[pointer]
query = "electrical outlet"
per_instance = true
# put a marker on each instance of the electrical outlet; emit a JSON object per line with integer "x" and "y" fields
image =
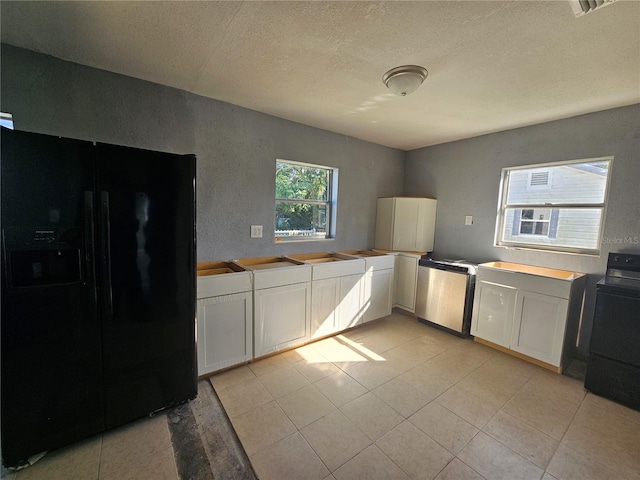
{"x": 256, "y": 231}
{"x": 468, "y": 220}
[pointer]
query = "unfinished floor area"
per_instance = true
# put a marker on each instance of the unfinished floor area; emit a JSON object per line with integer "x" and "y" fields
{"x": 393, "y": 399}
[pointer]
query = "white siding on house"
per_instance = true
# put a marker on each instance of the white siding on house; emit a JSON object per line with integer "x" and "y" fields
{"x": 567, "y": 184}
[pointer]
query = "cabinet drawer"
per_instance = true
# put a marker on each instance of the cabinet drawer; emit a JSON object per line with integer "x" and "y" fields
{"x": 383, "y": 262}
{"x": 225, "y": 284}
{"x": 281, "y": 276}
{"x": 339, "y": 268}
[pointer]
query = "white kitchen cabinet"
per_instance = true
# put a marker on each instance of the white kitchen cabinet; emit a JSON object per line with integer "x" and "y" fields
{"x": 225, "y": 324}
{"x": 376, "y": 285}
{"x": 406, "y": 281}
{"x": 224, "y": 316}
{"x": 539, "y": 326}
{"x": 335, "y": 304}
{"x": 349, "y": 309}
{"x": 336, "y": 291}
{"x": 405, "y": 224}
{"x": 325, "y": 296}
{"x": 532, "y": 311}
{"x": 377, "y": 294}
{"x": 281, "y": 303}
{"x": 493, "y": 312}
{"x": 281, "y": 317}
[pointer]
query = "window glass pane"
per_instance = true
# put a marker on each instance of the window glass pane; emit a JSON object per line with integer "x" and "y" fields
{"x": 559, "y": 184}
{"x": 567, "y": 227}
{"x": 6, "y": 120}
{"x": 301, "y": 182}
{"x": 301, "y": 219}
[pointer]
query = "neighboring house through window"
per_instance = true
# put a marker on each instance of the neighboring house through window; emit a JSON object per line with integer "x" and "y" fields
{"x": 556, "y": 206}
{"x": 305, "y": 201}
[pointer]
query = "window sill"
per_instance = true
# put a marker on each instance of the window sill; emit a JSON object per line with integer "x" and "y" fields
{"x": 586, "y": 253}
{"x": 303, "y": 240}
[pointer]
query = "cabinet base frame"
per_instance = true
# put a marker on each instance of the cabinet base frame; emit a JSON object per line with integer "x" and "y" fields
{"x": 521, "y": 356}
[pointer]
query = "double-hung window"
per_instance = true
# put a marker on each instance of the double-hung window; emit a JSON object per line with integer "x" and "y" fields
{"x": 305, "y": 201}
{"x": 555, "y": 206}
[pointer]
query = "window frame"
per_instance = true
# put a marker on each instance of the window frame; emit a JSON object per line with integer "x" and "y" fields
{"x": 503, "y": 207}
{"x": 330, "y": 204}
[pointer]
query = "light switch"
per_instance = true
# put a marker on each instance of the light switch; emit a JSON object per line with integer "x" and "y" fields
{"x": 468, "y": 220}
{"x": 256, "y": 231}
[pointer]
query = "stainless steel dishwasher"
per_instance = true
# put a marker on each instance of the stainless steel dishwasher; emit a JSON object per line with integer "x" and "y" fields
{"x": 444, "y": 296}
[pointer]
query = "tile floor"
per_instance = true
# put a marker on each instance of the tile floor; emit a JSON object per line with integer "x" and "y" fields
{"x": 395, "y": 399}
{"x": 122, "y": 454}
{"x": 391, "y": 399}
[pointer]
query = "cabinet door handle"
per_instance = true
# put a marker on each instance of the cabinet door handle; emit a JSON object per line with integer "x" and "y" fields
{"x": 107, "y": 295}
{"x": 89, "y": 242}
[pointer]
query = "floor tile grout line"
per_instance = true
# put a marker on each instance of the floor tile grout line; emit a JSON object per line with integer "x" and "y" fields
{"x": 100, "y": 456}
{"x": 469, "y": 466}
{"x": 399, "y": 373}
{"x": 518, "y": 453}
{"x": 617, "y": 414}
{"x": 531, "y": 426}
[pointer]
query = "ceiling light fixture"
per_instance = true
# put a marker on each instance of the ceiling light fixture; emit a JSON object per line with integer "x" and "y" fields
{"x": 405, "y": 79}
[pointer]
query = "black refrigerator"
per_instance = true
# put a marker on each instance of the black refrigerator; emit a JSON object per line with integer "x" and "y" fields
{"x": 98, "y": 288}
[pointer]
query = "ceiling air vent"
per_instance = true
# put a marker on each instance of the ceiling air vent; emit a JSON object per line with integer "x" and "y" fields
{"x": 582, "y": 7}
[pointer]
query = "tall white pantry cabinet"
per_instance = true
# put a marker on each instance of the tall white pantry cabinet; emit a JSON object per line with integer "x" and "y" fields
{"x": 405, "y": 224}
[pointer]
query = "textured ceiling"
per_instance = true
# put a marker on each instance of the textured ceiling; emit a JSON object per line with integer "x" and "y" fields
{"x": 492, "y": 65}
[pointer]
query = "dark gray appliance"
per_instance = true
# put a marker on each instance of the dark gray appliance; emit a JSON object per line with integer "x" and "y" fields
{"x": 98, "y": 288}
{"x": 444, "y": 296}
{"x": 613, "y": 369}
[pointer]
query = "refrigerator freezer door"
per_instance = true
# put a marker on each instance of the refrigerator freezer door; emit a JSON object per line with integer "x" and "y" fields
{"x": 51, "y": 358}
{"x": 148, "y": 270}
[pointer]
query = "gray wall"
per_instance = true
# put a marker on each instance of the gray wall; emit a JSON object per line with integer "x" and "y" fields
{"x": 236, "y": 149}
{"x": 465, "y": 176}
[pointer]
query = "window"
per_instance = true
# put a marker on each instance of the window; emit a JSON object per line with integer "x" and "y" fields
{"x": 557, "y": 206}
{"x": 305, "y": 201}
{"x": 534, "y": 221}
{"x": 6, "y": 120}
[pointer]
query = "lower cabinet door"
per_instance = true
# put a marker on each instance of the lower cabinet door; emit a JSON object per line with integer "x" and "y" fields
{"x": 406, "y": 282}
{"x": 325, "y": 295}
{"x": 377, "y": 294}
{"x": 225, "y": 331}
{"x": 493, "y": 307}
{"x": 539, "y": 326}
{"x": 348, "y": 310}
{"x": 281, "y": 317}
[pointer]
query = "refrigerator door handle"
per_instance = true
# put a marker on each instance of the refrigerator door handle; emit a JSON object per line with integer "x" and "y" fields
{"x": 89, "y": 240}
{"x": 107, "y": 295}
